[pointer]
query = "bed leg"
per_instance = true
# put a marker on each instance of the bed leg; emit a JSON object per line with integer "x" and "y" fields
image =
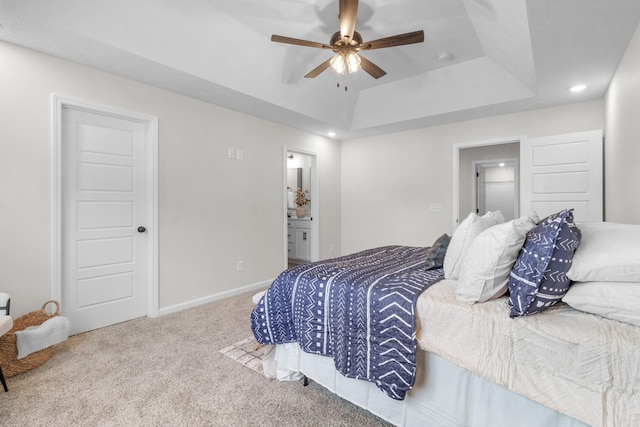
{"x": 4, "y": 383}
{"x": 305, "y": 380}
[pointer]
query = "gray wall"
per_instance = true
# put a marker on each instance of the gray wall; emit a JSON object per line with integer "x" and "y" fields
{"x": 213, "y": 210}
{"x": 389, "y": 182}
{"x": 622, "y": 139}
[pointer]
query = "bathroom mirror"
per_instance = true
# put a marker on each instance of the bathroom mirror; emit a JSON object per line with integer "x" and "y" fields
{"x": 294, "y": 178}
{"x": 299, "y": 172}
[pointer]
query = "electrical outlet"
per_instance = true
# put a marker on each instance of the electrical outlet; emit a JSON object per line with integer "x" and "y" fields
{"x": 239, "y": 154}
{"x": 239, "y": 266}
{"x": 331, "y": 248}
{"x": 231, "y": 153}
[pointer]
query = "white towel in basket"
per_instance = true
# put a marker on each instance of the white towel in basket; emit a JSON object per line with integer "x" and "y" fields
{"x": 35, "y": 338}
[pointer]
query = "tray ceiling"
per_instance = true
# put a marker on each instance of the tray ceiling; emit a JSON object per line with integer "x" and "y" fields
{"x": 479, "y": 57}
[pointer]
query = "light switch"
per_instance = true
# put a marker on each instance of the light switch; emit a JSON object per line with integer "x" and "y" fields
{"x": 231, "y": 154}
{"x": 435, "y": 207}
{"x": 239, "y": 154}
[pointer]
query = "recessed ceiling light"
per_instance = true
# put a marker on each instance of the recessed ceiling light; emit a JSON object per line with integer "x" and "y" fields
{"x": 445, "y": 57}
{"x": 578, "y": 88}
{"x": 331, "y": 134}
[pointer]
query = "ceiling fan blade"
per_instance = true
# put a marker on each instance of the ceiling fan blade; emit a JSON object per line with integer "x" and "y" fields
{"x": 398, "y": 40}
{"x": 320, "y": 68}
{"x": 371, "y": 68}
{"x": 348, "y": 13}
{"x": 299, "y": 42}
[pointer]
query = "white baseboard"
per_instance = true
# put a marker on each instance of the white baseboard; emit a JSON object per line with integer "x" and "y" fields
{"x": 214, "y": 297}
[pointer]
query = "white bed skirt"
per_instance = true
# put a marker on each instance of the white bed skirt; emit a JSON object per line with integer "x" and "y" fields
{"x": 444, "y": 394}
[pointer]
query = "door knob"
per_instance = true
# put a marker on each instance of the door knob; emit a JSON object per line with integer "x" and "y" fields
{"x": 141, "y": 229}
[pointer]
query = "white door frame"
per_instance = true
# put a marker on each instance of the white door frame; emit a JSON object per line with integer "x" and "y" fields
{"x": 315, "y": 205}
{"x": 455, "y": 166}
{"x": 151, "y": 123}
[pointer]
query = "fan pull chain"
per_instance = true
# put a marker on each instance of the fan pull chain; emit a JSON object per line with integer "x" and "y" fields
{"x": 345, "y": 86}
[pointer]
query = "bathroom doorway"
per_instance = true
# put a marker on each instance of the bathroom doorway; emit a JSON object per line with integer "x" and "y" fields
{"x": 301, "y": 207}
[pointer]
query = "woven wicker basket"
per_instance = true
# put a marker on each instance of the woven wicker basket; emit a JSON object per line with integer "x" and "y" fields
{"x": 9, "y": 351}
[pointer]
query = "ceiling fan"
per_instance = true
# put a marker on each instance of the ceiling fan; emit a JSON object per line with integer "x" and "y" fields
{"x": 347, "y": 43}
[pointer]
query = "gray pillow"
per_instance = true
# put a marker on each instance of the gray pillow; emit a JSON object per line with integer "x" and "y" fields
{"x": 435, "y": 254}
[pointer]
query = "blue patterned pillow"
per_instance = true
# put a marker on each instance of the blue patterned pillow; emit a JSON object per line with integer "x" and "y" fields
{"x": 538, "y": 278}
{"x": 435, "y": 254}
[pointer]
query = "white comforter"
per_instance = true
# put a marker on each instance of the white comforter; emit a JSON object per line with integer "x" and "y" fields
{"x": 582, "y": 365}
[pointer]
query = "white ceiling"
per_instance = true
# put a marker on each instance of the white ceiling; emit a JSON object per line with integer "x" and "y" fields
{"x": 506, "y": 55}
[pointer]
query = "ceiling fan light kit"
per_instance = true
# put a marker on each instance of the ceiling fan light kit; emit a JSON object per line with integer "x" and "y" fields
{"x": 345, "y": 59}
{"x": 347, "y": 43}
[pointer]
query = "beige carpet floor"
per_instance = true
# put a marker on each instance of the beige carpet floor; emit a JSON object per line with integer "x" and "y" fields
{"x": 168, "y": 371}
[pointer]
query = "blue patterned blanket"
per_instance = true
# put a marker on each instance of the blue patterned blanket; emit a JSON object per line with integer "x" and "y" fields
{"x": 358, "y": 309}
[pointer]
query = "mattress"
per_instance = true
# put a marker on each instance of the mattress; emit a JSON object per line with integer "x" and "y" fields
{"x": 579, "y": 364}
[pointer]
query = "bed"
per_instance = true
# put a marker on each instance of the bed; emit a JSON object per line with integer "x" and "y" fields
{"x": 569, "y": 359}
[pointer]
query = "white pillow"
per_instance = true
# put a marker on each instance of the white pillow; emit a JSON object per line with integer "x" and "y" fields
{"x": 614, "y": 300}
{"x": 462, "y": 238}
{"x": 486, "y": 265}
{"x": 608, "y": 252}
{"x": 497, "y": 215}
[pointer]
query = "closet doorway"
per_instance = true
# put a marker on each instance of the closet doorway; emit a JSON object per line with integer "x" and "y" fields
{"x": 301, "y": 210}
{"x": 465, "y": 158}
{"x": 556, "y": 172}
{"x": 496, "y": 187}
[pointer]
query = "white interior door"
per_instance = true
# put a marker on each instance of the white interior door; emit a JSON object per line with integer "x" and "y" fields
{"x": 563, "y": 171}
{"x": 103, "y": 215}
